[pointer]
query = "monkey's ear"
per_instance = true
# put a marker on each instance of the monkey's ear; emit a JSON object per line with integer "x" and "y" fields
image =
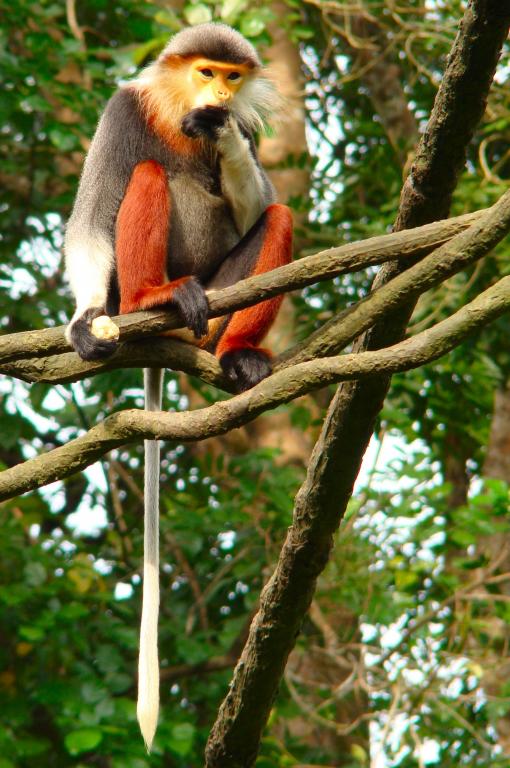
{"x": 172, "y": 60}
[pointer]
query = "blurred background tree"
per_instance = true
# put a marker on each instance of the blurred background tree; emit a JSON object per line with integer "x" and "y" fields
{"x": 404, "y": 658}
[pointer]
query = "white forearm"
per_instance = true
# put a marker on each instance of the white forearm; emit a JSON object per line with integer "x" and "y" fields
{"x": 242, "y": 181}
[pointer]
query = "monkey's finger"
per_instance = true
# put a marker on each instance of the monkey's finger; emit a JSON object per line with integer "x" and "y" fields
{"x": 204, "y": 121}
{"x": 88, "y": 346}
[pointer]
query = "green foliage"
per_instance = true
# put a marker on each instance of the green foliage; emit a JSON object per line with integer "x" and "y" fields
{"x": 405, "y": 555}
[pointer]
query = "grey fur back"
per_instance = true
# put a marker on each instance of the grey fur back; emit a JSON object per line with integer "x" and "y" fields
{"x": 120, "y": 142}
{"x": 198, "y": 209}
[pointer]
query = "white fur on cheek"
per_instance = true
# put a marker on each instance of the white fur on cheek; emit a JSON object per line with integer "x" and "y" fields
{"x": 256, "y": 100}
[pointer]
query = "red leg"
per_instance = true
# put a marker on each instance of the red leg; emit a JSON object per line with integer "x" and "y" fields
{"x": 141, "y": 246}
{"x": 142, "y": 236}
{"x": 238, "y": 350}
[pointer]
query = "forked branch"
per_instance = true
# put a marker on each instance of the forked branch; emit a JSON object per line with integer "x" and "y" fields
{"x": 131, "y": 426}
{"x": 320, "y": 266}
{"x": 449, "y": 255}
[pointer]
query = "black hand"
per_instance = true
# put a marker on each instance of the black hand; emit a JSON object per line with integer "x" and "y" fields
{"x": 83, "y": 340}
{"x": 191, "y": 303}
{"x": 204, "y": 121}
{"x": 246, "y": 367}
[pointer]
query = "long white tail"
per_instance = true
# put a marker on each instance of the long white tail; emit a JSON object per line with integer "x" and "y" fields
{"x": 148, "y": 665}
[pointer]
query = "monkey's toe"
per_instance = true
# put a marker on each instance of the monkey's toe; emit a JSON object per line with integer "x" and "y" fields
{"x": 191, "y": 303}
{"x": 246, "y": 367}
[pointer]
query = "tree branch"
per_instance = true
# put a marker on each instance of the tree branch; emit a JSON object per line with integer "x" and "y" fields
{"x": 133, "y": 425}
{"x": 337, "y": 456}
{"x": 320, "y": 266}
{"x": 458, "y": 253}
{"x": 148, "y": 353}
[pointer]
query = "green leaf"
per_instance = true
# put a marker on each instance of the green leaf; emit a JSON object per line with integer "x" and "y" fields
{"x": 37, "y": 103}
{"x": 73, "y": 611}
{"x": 35, "y": 574}
{"x": 463, "y": 538}
{"x": 62, "y": 139}
{"x": 82, "y": 740}
{"x": 231, "y": 9}
{"x": 180, "y": 739}
{"x": 405, "y": 579}
{"x": 167, "y": 18}
{"x": 32, "y": 747}
{"x": 359, "y": 754}
{"x": 143, "y": 52}
{"x": 31, "y": 633}
{"x": 129, "y": 762}
{"x": 108, "y": 659}
{"x": 198, "y": 14}
{"x": 120, "y": 682}
{"x": 253, "y": 25}
{"x": 91, "y": 693}
{"x": 303, "y": 33}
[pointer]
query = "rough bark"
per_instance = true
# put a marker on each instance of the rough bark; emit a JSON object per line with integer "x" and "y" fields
{"x": 497, "y": 461}
{"x": 131, "y": 426}
{"x": 337, "y": 456}
{"x": 320, "y": 266}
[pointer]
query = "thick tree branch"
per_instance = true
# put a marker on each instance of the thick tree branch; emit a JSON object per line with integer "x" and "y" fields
{"x": 337, "y": 456}
{"x": 131, "y": 426}
{"x": 320, "y": 266}
{"x": 148, "y": 353}
{"x": 458, "y": 253}
{"x": 458, "y": 108}
{"x": 469, "y": 245}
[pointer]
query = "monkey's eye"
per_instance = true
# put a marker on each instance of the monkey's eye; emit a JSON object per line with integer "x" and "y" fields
{"x": 206, "y": 72}
{"x": 234, "y": 76}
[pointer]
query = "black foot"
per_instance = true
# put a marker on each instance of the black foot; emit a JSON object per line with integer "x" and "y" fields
{"x": 204, "y": 122}
{"x": 84, "y": 342}
{"x": 191, "y": 302}
{"x": 246, "y": 367}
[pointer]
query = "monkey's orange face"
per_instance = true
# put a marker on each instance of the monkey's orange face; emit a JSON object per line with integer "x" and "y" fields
{"x": 215, "y": 83}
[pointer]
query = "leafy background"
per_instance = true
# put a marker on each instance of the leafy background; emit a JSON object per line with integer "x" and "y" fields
{"x": 403, "y": 660}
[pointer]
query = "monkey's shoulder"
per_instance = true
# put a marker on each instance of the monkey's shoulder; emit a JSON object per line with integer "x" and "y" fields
{"x": 126, "y": 127}
{"x": 130, "y": 137}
